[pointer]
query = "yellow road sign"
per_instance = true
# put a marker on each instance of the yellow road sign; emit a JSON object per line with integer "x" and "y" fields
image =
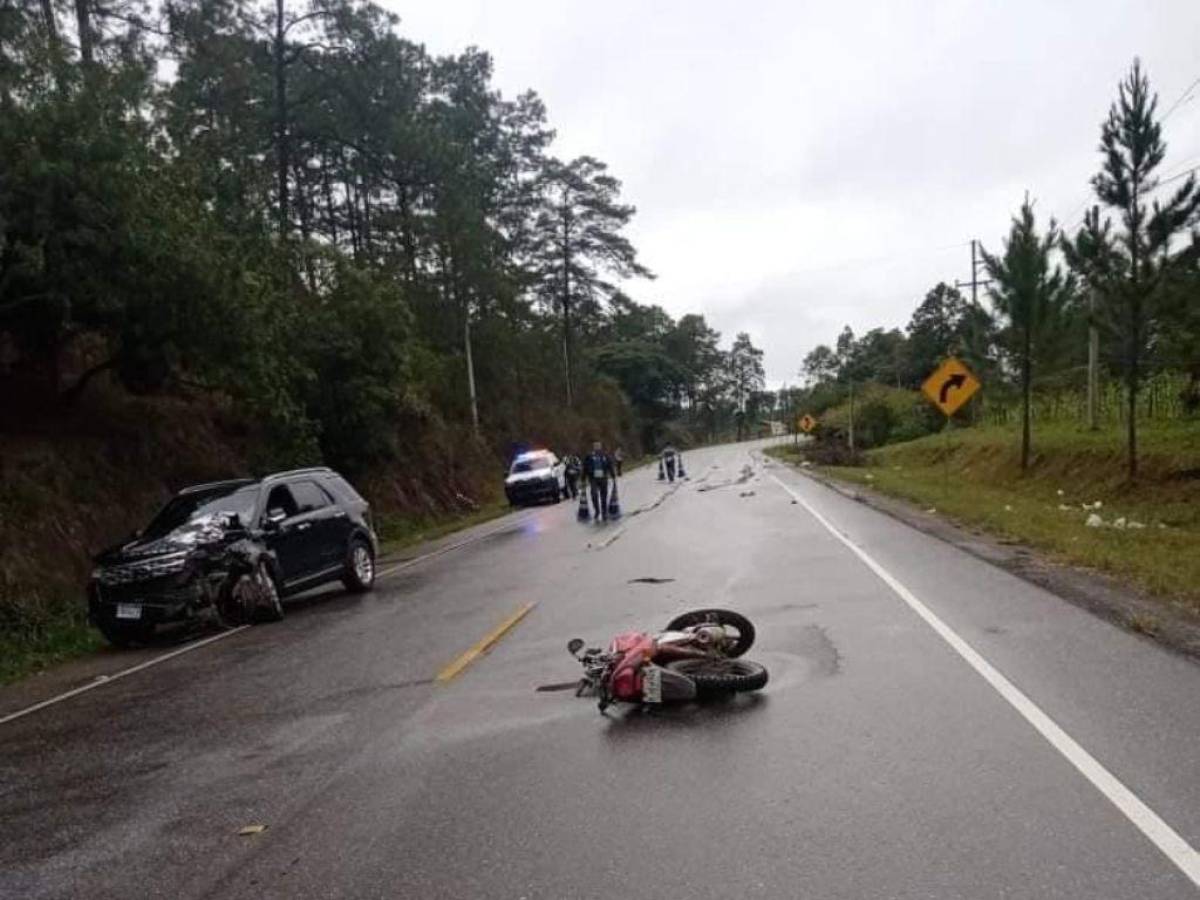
{"x": 807, "y": 423}
{"x": 950, "y": 386}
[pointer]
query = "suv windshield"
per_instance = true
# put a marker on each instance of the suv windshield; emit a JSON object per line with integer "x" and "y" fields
{"x": 532, "y": 464}
{"x": 235, "y": 499}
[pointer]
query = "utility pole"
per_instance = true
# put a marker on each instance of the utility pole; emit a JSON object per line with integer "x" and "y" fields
{"x": 851, "y": 416}
{"x": 975, "y": 283}
{"x": 1093, "y": 374}
{"x": 470, "y": 369}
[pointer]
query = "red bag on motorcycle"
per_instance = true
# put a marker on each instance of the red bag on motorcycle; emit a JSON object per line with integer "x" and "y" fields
{"x": 636, "y": 650}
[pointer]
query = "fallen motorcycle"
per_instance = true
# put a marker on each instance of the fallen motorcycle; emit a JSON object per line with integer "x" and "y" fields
{"x": 697, "y": 656}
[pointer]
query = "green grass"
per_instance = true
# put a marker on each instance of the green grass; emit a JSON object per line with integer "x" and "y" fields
{"x": 396, "y": 533}
{"x": 973, "y": 476}
{"x": 25, "y": 654}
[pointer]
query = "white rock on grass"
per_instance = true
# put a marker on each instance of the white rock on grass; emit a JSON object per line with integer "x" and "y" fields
{"x": 1061, "y": 492}
{"x": 1137, "y": 525}
{"x": 1119, "y": 523}
{"x": 1007, "y": 508}
{"x": 1094, "y": 521}
{"x": 1066, "y": 508}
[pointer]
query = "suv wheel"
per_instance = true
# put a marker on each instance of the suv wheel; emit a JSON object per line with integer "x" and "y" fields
{"x": 250, "y": 597}
{"x": 359, "y": 576}
{"x": 270, "y": 604}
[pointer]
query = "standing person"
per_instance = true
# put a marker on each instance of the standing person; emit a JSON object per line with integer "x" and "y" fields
{"x": 597, "y": 469}
{"x": 619, "y": 460}
{"x": 668, "y": 457}
{"x": 573, "y": 467}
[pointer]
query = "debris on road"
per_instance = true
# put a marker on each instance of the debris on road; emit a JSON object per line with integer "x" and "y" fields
{"x": 650, "y": 580}
{"x": 247, "y": 830}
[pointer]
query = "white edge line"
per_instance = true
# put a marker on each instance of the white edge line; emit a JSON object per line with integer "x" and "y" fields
{"x": 1162, "y": 835}
{"x": 102, "y": 680}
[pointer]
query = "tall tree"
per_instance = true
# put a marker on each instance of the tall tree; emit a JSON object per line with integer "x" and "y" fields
{"x": 1033, "y": 299}
{"x": 935, "y": 330}
{"x": 1140, "y": 257}
{"x": 580, "y": 241}
{"x": 821, "y": 364}
{"x": 746, "y": 375}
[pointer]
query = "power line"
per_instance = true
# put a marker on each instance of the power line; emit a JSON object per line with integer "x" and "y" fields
{"x": 1186, "y": 95}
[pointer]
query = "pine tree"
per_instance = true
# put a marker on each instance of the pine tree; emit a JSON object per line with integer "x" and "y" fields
{"x": 1032, "y": 298}
{"x": 1135, "y": 263}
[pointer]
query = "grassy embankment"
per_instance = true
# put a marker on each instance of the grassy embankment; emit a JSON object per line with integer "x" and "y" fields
{"x": 973, "y": 476}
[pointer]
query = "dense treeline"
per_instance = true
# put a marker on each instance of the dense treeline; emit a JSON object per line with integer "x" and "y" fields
{"x": 1130, "y": 271}
{"x": 300, "y": 210}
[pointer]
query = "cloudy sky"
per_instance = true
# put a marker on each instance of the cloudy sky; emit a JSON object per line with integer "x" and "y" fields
{"x": 799, "y": 166}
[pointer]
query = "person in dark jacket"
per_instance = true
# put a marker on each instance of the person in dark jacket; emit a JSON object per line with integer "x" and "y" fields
{"x": 573, "y": 470}
{"x": 669, "y": 457}
{"x": 597, "y": 469}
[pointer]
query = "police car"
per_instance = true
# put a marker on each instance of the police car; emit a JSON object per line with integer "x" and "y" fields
{"x": 536, "y": 476}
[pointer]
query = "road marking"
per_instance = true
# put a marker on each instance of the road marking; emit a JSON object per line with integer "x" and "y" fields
{"x": 486, "y": 643}
{"x": 408, "y": 563}
{"x": 102, "y": 680}
{"x": 1162, "y": 835}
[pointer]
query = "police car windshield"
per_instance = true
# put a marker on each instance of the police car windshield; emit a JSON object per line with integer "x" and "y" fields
{"x": 531, "y": 464}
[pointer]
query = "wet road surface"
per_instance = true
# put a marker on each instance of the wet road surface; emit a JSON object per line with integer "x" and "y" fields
{"x": 878, "y": 762}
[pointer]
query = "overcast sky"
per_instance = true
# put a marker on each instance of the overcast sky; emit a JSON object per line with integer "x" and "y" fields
{"x": 800, "y": 166}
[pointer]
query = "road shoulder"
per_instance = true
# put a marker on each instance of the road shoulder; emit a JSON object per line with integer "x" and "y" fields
{"x": 1110, "y": 598}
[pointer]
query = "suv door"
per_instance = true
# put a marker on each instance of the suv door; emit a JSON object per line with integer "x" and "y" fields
{"x": 290, "y": 537}
{"x": 330, "y": 524}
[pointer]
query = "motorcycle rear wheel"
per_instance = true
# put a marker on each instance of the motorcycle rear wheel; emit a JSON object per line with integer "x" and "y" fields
{"x": 744, "y": 627}
{"x": 717, "y": 676}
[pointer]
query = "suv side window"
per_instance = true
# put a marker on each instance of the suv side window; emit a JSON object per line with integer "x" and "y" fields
{"x": 341, "y": 488}
{"x": 281, "y": 498}
{"x": 309, "y": 496}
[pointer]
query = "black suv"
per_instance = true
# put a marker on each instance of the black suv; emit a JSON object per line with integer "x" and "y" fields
{"x": 229, "y": 550}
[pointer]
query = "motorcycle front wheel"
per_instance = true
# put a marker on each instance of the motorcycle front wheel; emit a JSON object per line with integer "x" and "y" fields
{"x": 717, "y": 676}
{"x": 736, "y": 621}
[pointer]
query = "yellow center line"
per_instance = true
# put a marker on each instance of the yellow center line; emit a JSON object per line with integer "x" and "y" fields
{"x": 486, "y": 643}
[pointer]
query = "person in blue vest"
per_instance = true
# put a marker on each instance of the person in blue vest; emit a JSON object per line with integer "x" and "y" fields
{"x": 597, "y": 469}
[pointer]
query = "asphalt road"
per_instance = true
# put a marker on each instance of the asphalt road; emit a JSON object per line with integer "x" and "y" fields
{"x": 882, "y": 761}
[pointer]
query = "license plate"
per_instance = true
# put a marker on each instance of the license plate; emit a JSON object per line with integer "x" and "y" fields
{"x": 652, "y": 684}
{"x": 129, "y": 610}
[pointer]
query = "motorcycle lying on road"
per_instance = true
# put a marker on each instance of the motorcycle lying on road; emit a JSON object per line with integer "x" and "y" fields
{"x": 697, "y": 656}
